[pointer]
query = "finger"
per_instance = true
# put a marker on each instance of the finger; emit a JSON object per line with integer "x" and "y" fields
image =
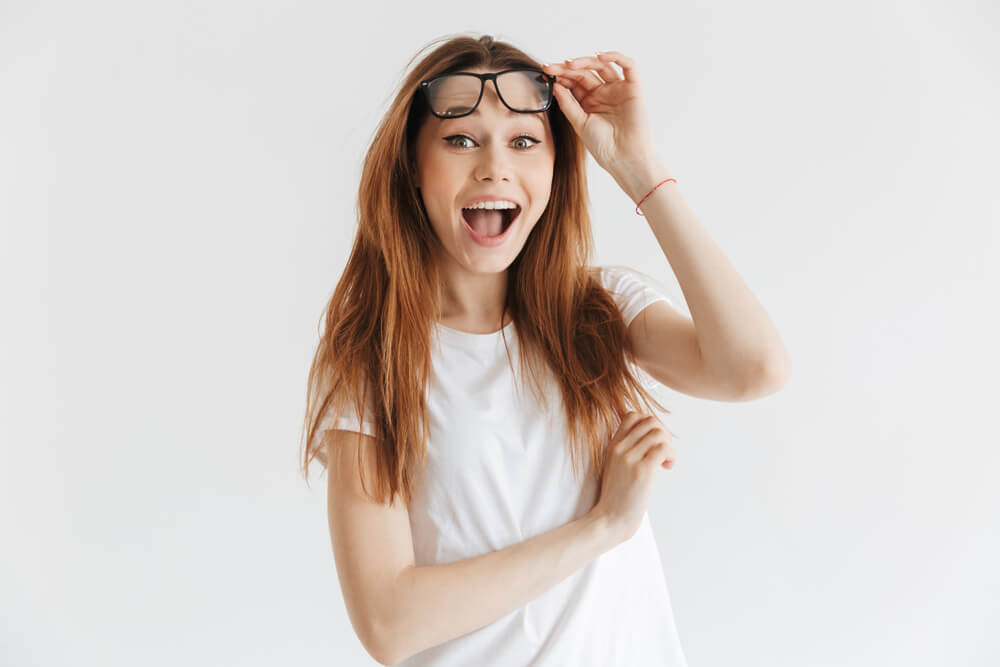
{"x": 578, "y": 85}
{"x": 663, "y": 456}
{"x": 639, "y": 439}
{"x": 646, "y": 448}
{"x": 656, "y": 455}
{"x": 648, "y": 418}
{"x": 628, "y": 434}
{"x": 571, "y": 82}
{"x": 585, "y": 67}
{"x": 609, "y": 70}
{"x": 640, "y": 420}
{"x": 581, "y": 76}
{"x": 629, "y": 420}
{"x": 569, "y": 106}
{"x": 629, "y": 69}
{"x": 603, "y": 69}
{"x": 646, "y": 428}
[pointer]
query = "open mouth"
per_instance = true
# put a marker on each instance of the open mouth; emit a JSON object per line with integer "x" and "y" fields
{"x": 477, "y": 223}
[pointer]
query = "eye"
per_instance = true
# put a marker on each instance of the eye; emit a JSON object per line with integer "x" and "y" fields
{"x": 524, "y": 136}
{"x": 458, "y": 137}
{"x": 451, "y": 140}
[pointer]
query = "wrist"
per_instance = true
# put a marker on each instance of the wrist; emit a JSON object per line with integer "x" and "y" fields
{"x": 602, "y": 530}
{"x": 638, "y": 176}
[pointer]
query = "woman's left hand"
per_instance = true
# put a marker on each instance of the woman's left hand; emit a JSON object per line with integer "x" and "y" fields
{"x": 609, "y": 115}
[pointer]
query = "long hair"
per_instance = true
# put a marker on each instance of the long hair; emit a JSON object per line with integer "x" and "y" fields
{"x": 375, "y": 348}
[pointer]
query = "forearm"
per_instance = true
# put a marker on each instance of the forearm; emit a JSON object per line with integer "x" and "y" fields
{"x": 435, "y": 603}
{"x": 735, "y": 333}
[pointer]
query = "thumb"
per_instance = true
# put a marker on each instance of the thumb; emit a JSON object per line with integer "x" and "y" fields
{"x": 569, "y": 106}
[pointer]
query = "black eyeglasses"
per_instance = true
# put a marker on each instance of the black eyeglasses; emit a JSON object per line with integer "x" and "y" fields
{"x": 457, "y": 94}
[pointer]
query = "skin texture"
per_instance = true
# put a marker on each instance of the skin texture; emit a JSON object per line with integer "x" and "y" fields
{"x": 493, "y": 158}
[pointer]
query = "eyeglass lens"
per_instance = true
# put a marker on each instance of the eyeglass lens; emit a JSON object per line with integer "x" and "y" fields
{"x": 457, "y": 93}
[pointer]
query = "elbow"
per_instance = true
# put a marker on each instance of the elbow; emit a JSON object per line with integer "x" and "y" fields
{"x": 770, "y": 379}
{"x": 373, "y": 636}
{"x": 387, "y": 639}
{"x": 779, "y": 374}
{"x": 378, "y": 643}
{"x": 384, "y": 641}
{"x": 383, "y": 660}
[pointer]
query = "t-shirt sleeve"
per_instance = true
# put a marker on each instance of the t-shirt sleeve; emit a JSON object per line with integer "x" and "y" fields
{"x": 347, "y": 420}
{"x": 630, "y": 291}
{"x": 633, "y": 294}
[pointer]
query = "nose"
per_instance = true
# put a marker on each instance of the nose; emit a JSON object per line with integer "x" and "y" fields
{"x": 494, "y": 155}
{"x": 494, "y": 162}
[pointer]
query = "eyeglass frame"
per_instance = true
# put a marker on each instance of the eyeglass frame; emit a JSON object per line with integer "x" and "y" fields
{"x": 483, "y": 78}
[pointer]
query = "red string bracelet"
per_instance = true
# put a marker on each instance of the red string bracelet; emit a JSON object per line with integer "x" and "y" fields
{"x": 637, "y": 211}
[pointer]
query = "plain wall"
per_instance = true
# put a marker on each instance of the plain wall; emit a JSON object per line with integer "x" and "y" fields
{"x": 178, "y": 184}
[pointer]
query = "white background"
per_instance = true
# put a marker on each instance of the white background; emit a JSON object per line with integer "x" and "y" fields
{"x": 178, "y": 184}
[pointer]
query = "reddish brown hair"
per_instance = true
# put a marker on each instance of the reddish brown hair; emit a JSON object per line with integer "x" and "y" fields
{"x": 374, "y": 350}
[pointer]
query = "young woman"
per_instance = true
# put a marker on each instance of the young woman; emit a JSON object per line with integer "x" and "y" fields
{"x": 486, "y": 383}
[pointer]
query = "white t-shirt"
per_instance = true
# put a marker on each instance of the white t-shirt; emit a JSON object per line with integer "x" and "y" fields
{"x": 499, "y": 472}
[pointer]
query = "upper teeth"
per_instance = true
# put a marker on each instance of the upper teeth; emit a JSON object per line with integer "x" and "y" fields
{"x": 492, "y": 204}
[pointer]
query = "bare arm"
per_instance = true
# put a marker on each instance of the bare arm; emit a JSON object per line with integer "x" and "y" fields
{"x": 433, "y": 604}
{"x": 397, "y": 608}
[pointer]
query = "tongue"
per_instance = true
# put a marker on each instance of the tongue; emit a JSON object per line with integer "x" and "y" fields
{"x": 484, "y": 222}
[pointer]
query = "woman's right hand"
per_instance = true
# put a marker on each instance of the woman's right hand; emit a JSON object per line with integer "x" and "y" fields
{"x": 640, "y": 445}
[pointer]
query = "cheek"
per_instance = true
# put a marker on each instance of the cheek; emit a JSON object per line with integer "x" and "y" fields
{"x": 541, "y": 179}
{"x": 440, "y": 213}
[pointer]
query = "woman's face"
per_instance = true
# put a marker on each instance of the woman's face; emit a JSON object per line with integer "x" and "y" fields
{"x": 493, "y": 152}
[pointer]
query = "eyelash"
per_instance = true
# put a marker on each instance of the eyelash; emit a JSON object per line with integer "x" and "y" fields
{"x": 457, "y": 136}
